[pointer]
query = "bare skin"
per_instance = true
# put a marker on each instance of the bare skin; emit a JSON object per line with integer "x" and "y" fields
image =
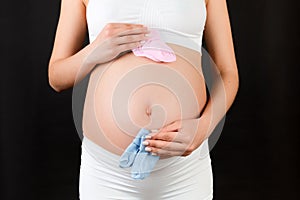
{"x": 106, "y": 130}
{"x": 68, "y": 59}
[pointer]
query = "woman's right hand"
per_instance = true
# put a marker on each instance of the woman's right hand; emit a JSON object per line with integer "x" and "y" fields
{"x": 114, "y": 39}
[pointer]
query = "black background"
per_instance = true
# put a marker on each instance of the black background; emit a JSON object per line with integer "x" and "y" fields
{"x": 256, "y": 157}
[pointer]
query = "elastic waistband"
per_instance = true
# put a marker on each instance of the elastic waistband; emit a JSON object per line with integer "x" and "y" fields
{"x": 103, "y": 155}
{"x": 99, "y": 151}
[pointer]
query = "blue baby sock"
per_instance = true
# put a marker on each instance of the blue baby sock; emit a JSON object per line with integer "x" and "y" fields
{"x": 142, "y": 162}
{"x": 128, "y": 156}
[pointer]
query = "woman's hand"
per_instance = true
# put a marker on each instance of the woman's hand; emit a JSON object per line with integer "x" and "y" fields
{"x": 114, "y": 39}
{"x": 180, "y": 138}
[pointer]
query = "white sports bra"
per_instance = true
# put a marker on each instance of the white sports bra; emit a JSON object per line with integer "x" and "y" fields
{"x": 179, "y": 22}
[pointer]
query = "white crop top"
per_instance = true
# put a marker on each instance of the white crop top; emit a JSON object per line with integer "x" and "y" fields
{"x": 179, "y": 22}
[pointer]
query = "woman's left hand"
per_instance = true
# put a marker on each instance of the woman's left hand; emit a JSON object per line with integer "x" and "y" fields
{"x": 180, "y": 138}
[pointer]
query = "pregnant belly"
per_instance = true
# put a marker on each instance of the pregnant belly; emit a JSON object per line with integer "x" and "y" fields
{"x": 132, "y": 92}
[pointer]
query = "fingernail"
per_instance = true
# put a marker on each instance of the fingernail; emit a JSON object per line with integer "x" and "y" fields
{"x": 142, "y": 42}
{"x": 148, "y": 136}
{"x": 147, "y": 149}
{"x": 154, "y": 130}
{"x": 145, "y": 143}
{"x": 154, "y": 154}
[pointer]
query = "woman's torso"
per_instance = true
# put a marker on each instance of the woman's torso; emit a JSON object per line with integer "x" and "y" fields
{"x": 132, "y": 92}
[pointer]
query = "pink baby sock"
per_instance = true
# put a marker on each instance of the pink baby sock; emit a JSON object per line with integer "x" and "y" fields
{"x": 155, "y": 49}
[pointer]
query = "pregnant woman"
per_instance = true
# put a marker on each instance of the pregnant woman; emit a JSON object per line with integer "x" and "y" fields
{"x": 127, "y": 92}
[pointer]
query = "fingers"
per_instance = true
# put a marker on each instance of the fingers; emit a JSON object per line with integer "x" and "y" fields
{"x": 159, "y": 144}
{"x": 174, "y": 139}
{"x": 119, "y": 29}
{"x": 130, "y": 39}
{"x": 121, "y": 26}
{"x": 129, "y": 36}
{"x": 162, "y": 153}
{"x": 133, "y": 31}
{"x": 168, "y": 136}
{"x": 128, "y": 46}
{"x": 166, "y": 149}
{"x": 168, "y": 144}
{"x": 126, "y": 25}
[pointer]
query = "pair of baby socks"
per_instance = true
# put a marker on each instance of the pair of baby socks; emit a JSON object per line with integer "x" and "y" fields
{"x": 135, "y": 156}
{"x": 155, "y": 49}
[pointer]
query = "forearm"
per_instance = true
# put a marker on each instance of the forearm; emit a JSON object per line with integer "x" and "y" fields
{"x": 222, "y": 95}
{"x": 65, "y": 73}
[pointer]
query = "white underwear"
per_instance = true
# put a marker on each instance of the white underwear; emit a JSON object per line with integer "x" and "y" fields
{"x": 177, "y": 178}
